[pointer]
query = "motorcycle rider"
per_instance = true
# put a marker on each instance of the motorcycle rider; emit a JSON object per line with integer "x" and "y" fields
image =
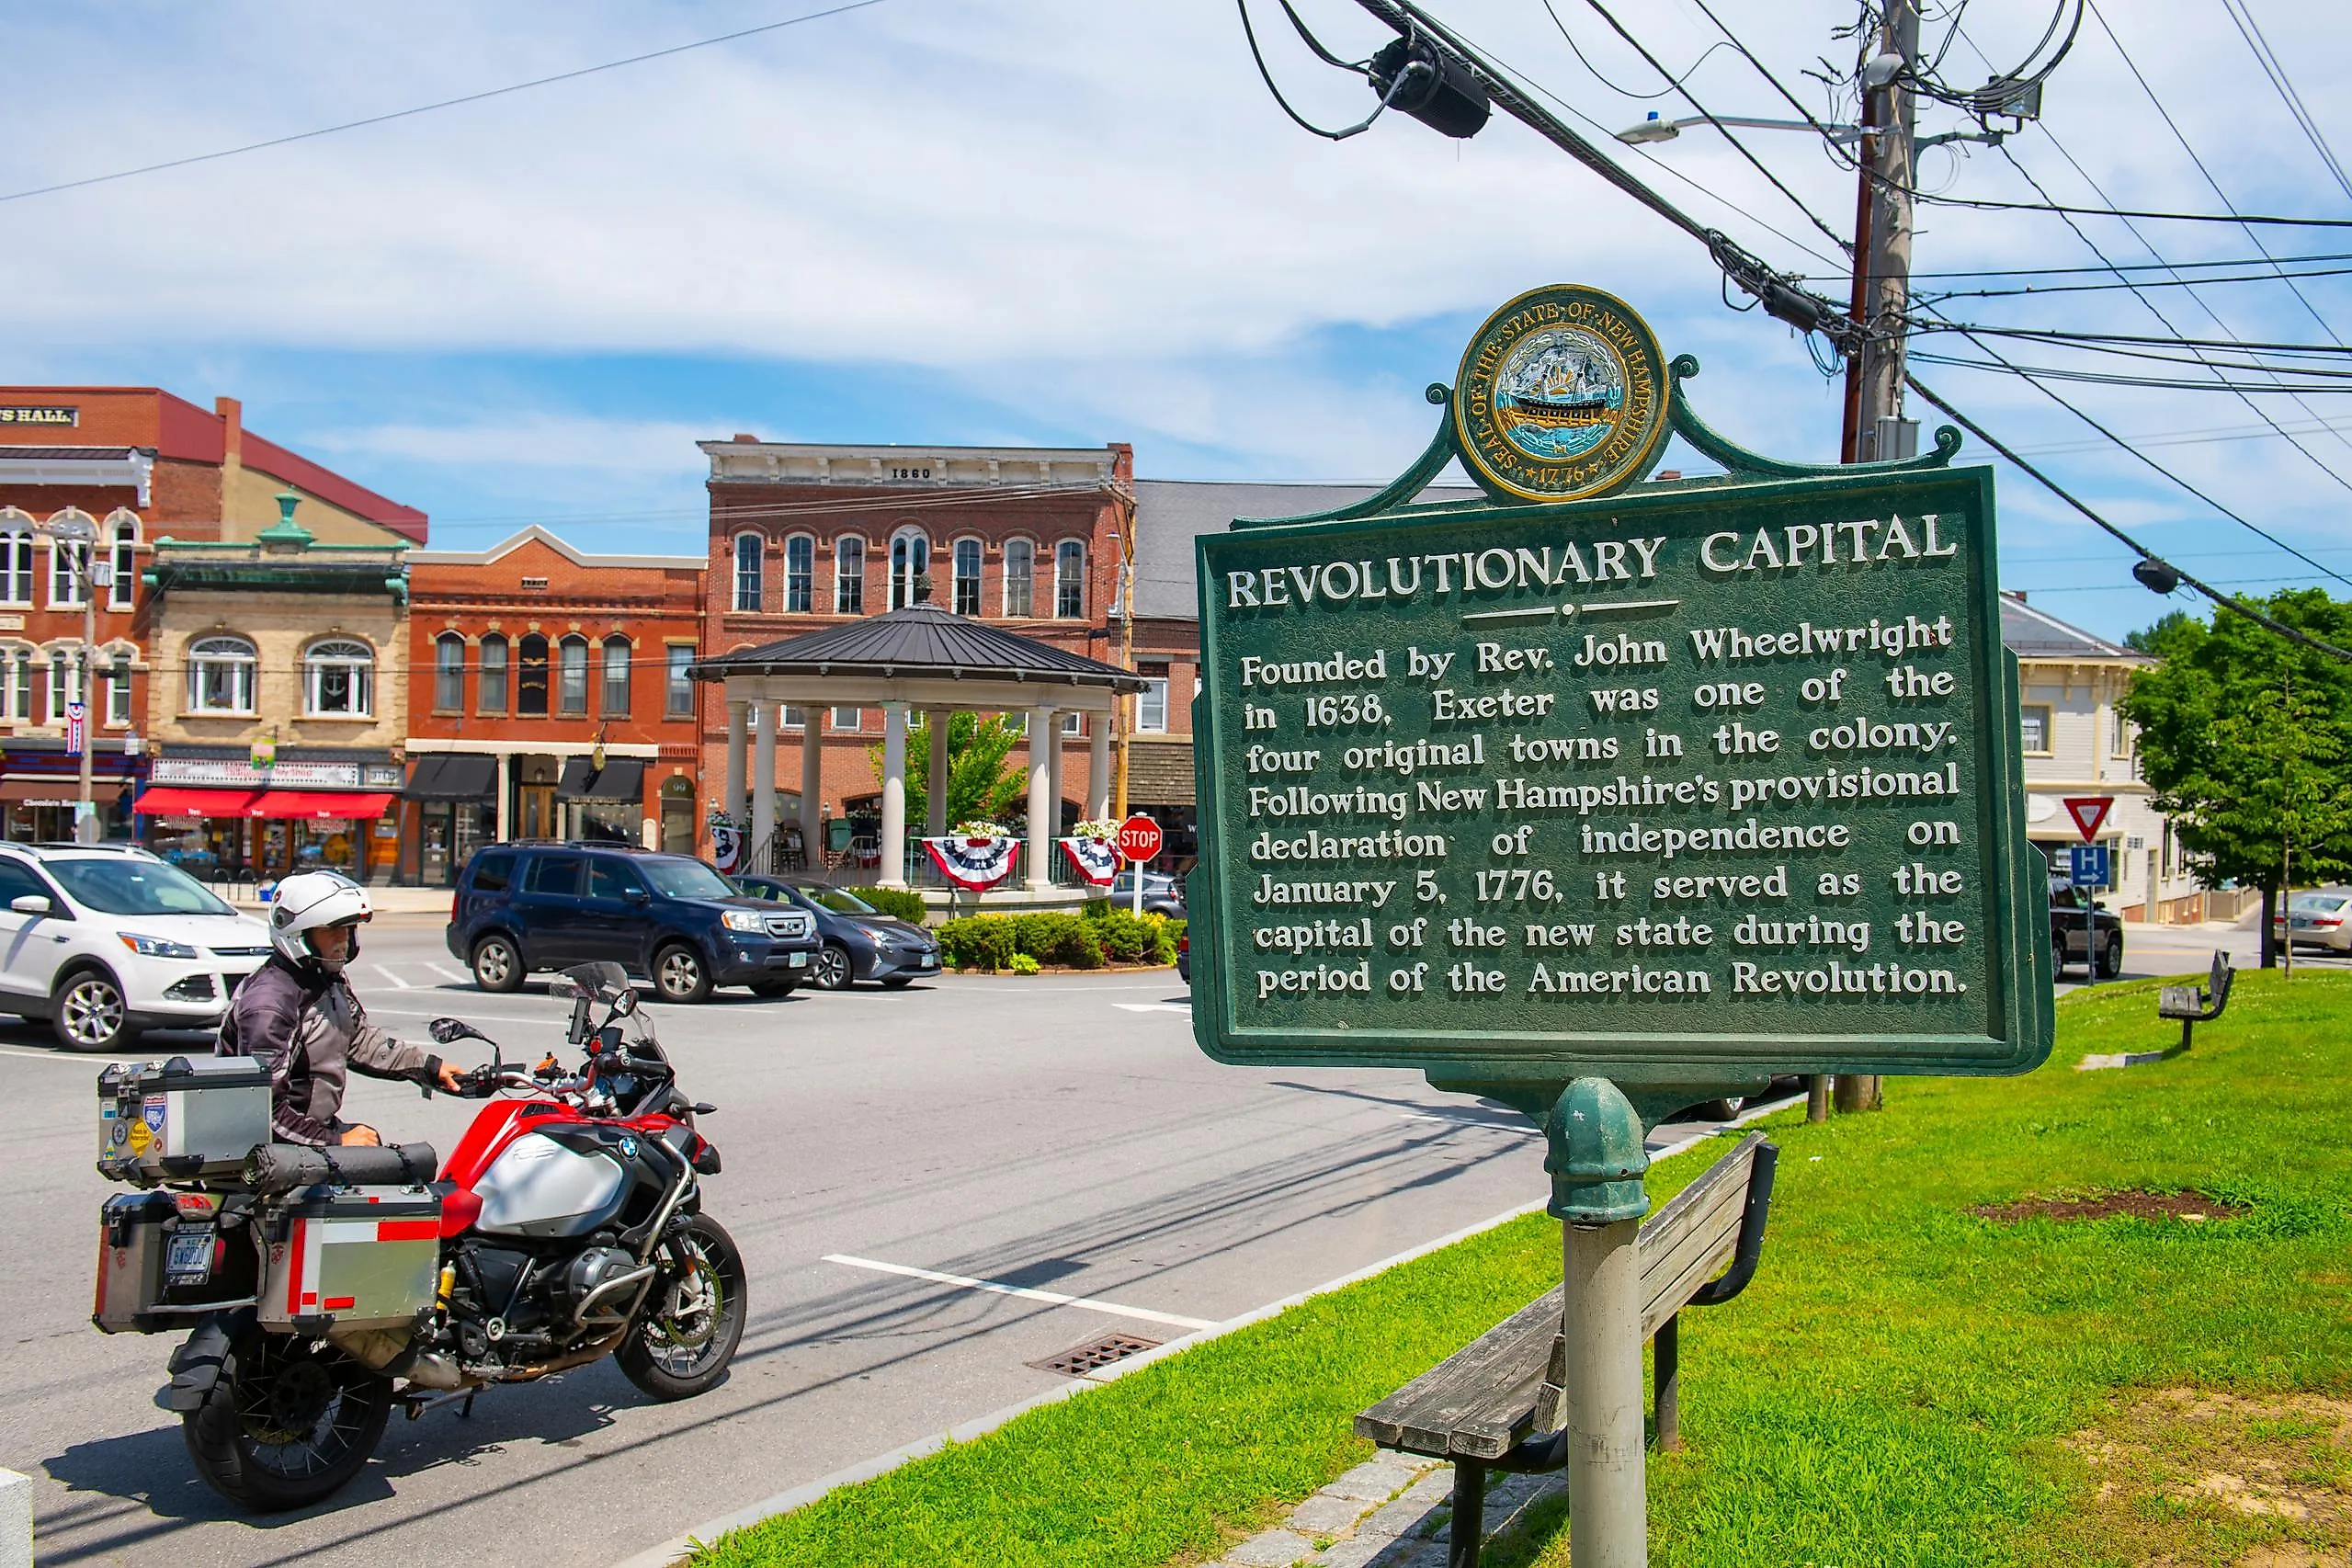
{"x": 298, "y": 1015}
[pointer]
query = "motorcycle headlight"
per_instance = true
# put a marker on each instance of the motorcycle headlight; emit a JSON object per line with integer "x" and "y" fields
{"x": 155, "y": 946}
{"x": 744, "y": 920}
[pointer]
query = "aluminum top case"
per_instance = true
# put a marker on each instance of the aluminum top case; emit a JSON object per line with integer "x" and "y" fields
{"x": 181, "y": 1120}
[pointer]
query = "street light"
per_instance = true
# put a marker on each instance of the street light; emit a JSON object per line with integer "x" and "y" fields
{"x": 1656, "y": 130}
{"x": 76, "y": 531}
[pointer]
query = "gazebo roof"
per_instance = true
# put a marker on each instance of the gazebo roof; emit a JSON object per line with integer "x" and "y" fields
{"x": 917, "y": 640}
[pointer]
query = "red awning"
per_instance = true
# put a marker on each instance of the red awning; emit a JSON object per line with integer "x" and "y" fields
{"x": 325, "y": 806}
{"x": 163, "y": 801}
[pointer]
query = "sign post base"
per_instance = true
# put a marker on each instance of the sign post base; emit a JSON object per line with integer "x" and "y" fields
{"x": 1596, "y": 1163}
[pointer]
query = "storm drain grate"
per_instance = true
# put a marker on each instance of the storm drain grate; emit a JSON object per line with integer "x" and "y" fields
{"x": 1095, "y": 1355}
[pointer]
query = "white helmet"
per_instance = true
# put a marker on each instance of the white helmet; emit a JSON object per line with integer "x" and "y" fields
{"x": 311, "y": 900}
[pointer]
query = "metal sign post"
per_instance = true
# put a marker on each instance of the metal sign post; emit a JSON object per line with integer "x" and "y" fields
{"x": 1603, "y": 799}
{"x": 1139, "y": 841}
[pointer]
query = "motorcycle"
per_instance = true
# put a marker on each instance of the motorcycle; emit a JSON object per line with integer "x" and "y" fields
{"x": 329, "y": 1285}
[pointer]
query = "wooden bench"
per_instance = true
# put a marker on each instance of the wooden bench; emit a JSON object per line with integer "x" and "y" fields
{"x": 1500, "y": 1403}
{"x": 2193, "y": 1006}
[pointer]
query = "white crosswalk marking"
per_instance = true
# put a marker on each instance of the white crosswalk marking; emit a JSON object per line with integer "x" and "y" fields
{"x": 388, "y": 974}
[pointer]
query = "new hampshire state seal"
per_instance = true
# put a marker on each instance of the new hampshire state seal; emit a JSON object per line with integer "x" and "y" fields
{"x": 1561, "y": 394}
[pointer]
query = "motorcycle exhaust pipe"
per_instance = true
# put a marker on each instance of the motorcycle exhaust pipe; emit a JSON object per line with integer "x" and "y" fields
{"x": 397, "y": 1355}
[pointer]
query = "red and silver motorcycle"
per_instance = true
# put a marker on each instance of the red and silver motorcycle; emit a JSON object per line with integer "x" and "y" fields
{"x": 327, "y": 1286}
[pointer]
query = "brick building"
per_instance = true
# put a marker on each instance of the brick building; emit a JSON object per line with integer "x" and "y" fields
{"x": 550, "y": 700}
{"x": 805, "y": 537}
{"x": 134, "y": 465}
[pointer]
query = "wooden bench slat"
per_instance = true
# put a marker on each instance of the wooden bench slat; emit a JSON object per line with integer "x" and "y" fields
{"x": 1508, "y": 1383}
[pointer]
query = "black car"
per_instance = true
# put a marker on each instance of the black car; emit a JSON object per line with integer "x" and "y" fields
{"x": 2068, "y": 940}
{"x": 860, "y": 942}
{"x": 667, "y": 918}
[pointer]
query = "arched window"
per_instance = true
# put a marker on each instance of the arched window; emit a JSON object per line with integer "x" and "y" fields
{"x": 800, "y": 573}
{"x": 339, "y": 679}
{"x": 615, "y": 702}
{"x": 64, "y": 683}
{"x": 967, "y": 577}
{"x": 117, "y": 679}
{"x": 69, "y": 560}
{"x": 449, "y": 673}
{"x": 122, "y": 556}
{"x": 1070, "y": 580}
{"x": 572, "y": 676}
{"x": 749, "y": 548}
{"x": 221, "y": 675}
{"x": 530, "y": 689}
{"x": 849, "y": 576}
{"x": 491, "y": 690}
{"x": 15, "y": 556}
{"x": 910, "y": 558}
{"x": 1020, "y": 577}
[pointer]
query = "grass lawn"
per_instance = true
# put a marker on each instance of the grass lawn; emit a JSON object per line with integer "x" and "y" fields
{"x": 1904, "y": 1384}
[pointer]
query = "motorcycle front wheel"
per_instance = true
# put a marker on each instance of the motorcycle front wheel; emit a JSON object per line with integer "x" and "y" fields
{"x": 686, "y": 1331}
{"x": 289, "y": 1422}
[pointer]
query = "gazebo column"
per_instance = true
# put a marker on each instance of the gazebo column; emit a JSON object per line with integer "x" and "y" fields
{"x": 1053, "y": 774}
{"x": 894, "y": 796}
{"x": 1098, "y": 766}
{"x": 935, "y": 798}
{"x": 738, "y": 742}
{"x": 1041, "y": 807}
{"x": 762, "y": 784}
{"x": 812, "y": 788}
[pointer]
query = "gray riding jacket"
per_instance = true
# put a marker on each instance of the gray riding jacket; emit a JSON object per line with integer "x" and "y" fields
{"x": 310, "y": 1032}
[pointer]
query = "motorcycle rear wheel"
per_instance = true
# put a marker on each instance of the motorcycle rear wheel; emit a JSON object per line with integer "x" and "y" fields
{"x": 289, "y": 1422}
{"x": 686, "y": 1331}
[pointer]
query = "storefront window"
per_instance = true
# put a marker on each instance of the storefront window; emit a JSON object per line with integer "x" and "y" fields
{"x": 571, "y": 678}
{"x": 530, "y": 694}
{"x": 338, "y": 679}
{"x": 221, "y": 675}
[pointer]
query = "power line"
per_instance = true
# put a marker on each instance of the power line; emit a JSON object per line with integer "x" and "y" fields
{"x": 2264, "y": 260}
{"x": 2226, "y": 601}
{"x": 2061, "y": 335}
{"x": 1986, "y": 205}
{"x": 1673, "y": 82}
{"x": 2271, "y": 277}
{"x": 2241, "y": 14}
{"x": 2150, "y": 383}
{"x": 428, "y": 108}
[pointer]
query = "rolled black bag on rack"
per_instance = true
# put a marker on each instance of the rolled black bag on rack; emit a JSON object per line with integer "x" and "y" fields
{"x": 274, "y": 1168}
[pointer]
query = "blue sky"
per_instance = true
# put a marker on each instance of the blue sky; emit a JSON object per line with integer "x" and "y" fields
{"x": 1051, "y": 221}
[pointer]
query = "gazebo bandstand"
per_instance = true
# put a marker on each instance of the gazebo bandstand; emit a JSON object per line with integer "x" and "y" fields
{"x": 918, "y": 657}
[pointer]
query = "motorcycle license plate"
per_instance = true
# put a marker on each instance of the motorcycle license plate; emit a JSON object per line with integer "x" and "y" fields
{"x": 800, "y": 961}
{"x": 189, "y": 1262}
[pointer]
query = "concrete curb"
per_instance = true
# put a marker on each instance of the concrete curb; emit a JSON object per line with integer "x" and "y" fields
{"x": 15, "y": 1520}
{"x": 680, "y": 1546}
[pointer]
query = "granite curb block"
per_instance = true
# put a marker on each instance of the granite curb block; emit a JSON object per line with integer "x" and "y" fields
{"x": 1383, "y": 1514}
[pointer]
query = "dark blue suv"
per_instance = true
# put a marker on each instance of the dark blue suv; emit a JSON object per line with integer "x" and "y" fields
{"x": 667, "y": 918}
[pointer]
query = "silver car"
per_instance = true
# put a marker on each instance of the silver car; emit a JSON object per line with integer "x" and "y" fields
{"x": 2320, "y": 918}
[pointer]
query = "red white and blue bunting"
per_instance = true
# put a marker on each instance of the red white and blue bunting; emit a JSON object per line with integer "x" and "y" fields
{"x": 974, "y": 865}
{"x": 1095, "y": 858}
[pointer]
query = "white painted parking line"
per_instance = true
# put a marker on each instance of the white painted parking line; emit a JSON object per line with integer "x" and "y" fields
{"x": 1052, "y": 1298}
{"x": 445, "y": 972}
{"x": 1183, "y": 1008}
{"x": 73, "y": 1058}
{"x": 1491, "y": 1122}
{"x": 388, "y": 974}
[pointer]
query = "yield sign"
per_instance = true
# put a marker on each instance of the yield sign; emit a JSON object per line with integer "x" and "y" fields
{"x": 2088, "y": 811}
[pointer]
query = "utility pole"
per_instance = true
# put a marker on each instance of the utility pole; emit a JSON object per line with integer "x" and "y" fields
{"x": 1122, "y": 711}
{"x": 1875, "y": 428}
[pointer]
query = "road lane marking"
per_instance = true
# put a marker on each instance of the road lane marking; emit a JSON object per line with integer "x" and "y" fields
{"x": 1183, "y": 1008}
{"x": 445, "y": 972}
{"x": 388, "y": 974}
{"x": 76, "y": 1057}
{"x": 1053, "y": 1298}
{"x": 1495, "y": 1125}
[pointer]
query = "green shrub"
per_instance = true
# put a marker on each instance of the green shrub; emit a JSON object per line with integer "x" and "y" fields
{"x": 894, "y": 902}
{"x": 1127, "y": 939}
{"x": 1058, "y": 938}
{"x": 1023, "y": 964}
{"x": 977, "y": 942}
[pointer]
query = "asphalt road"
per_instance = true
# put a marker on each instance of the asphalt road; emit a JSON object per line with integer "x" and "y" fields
{"x": 1058, "y": 1133}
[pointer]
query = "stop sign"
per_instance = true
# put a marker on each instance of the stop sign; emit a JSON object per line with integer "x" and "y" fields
{"x": 1139, "y": 838}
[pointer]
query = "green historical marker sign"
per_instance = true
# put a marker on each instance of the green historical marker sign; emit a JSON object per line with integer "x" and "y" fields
{"x": 1690, "y": 782}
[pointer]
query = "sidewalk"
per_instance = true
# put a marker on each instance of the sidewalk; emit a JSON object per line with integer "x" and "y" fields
{"x": 433, "y": 901}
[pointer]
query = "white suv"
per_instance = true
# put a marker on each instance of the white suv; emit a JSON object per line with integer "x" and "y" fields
{"x": 106, "y": 939}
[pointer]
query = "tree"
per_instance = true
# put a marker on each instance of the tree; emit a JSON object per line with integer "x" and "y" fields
{"x": 2145, "y": 640}
{"x": 981, "y": 784}
{"x": 2243, "y": 736}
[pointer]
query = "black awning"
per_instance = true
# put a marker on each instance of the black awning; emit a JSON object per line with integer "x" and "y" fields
{"x": 445, "y": 776}
{"x": 623, "y": 779}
